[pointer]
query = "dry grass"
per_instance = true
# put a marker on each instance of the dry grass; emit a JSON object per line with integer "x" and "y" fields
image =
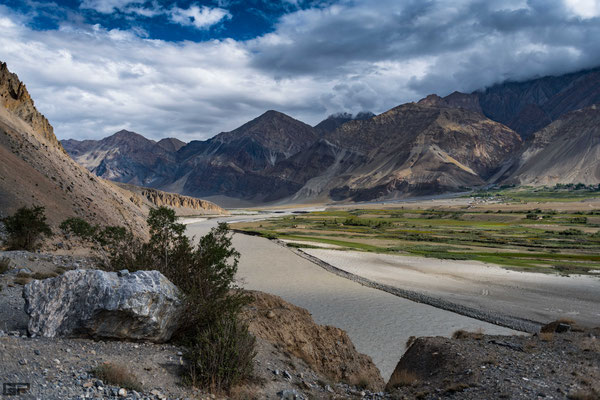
{"x": 22, "y": 280}
{"x": 4, "y": 265}
{"x": 546, "y": 336}
{"x": 360, "y": 381}
{"x": 462, "y": 334}
{"x": 44, "y": 275}
{"x": 117, "y": 375}
{"x": 244, "y": 392}
{"x": 403, "y": 378}
{"x": 456, "y": 388}
{"x": 551, "y": 327}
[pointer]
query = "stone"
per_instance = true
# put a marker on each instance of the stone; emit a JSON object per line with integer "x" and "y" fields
{"x": 143, "y": 305}
{"x": 290, "y": 394}
{"x": 270, "y": 314}
{"x": 122, "y": 392}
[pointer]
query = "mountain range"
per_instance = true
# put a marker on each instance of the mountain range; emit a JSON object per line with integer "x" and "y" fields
{"x": 36, "y": 170}
{"x": 541, "y": 131}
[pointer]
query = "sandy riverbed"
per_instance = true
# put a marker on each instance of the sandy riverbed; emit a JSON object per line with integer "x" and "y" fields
{"x": 378, "y": 323}
{"x": 535, "y": 296}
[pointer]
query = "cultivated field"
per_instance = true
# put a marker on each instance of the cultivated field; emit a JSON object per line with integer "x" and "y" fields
{"x": 555, "y": 230}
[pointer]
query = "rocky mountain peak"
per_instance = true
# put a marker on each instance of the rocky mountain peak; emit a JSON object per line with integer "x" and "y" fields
{"x": 432, "y": 100}
{"x": 171, "y": 144}
{"x": 273, "y": 129}
{"x": 16, "y": 99}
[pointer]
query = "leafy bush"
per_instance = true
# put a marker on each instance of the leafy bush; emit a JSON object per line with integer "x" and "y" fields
{"x": 221, "y": 355}
{"x": 79, "y": 227}
{"x": 26, "y": 227}
{"x": 220, "y": 348}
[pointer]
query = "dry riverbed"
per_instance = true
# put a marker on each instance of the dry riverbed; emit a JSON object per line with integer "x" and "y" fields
{"x": 526, "y": 295}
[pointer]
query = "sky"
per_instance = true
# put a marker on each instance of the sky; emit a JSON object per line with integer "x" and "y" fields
{"x": 191, "y": 69}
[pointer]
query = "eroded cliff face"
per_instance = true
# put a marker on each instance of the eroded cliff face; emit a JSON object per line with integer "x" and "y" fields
{"x": 16, "y": 99}
{"x": 160, "y": 198}
{"x": 180, "y": 203}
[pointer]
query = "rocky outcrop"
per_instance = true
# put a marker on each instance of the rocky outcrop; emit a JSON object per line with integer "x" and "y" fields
{"x": 16, "y": 99}
{"x": 183, "y": 205}
{"x": 475, "y": 366}
{"x": 326, "y": 349}
{"x": 334, "y": 121}
{"x": 90, "y": 303}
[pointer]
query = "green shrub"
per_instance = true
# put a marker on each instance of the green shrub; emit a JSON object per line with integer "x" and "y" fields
{"x": 26, "y": 227}
{"x": 79, "y": 227}
{"x": 220, "y": 347}
{"x": 571, "y": 232}
{"x": 221, "y": 355}
{"x": 578, "y": 220}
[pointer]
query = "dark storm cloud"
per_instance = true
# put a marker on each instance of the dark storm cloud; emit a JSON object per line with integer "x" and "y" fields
{"x": 513, "y": 40}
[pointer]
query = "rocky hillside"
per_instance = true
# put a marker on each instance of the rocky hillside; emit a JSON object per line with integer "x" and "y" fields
{"x": 237, "y": 164}
{"x": 326, "y": 349}
{"x": 35, "y": 170}
{"x": 566, "y": 151}
{"x": 528, "y": 106}
{"x": 417, "y": 148}
{"x": 15, "y": 98}
{"x": 127, "y": 157}
{"x": 334, "y": 121}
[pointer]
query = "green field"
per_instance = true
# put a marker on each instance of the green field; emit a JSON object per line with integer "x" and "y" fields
{"x": 526, "y": 194}
{"x": 536, "y": 240}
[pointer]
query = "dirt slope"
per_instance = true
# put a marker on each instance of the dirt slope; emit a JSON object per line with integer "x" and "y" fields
{"x": 566, "y": 151}
{"x": 326, "y": 349}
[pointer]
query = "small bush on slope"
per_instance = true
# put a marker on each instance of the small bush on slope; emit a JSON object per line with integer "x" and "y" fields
{"x": 25, "y": 228}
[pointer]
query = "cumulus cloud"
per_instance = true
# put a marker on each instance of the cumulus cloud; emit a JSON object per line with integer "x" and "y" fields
{"x": 200, "y": 17}
{"x": 107, "y": 6}
{"x": 348, "y": 56}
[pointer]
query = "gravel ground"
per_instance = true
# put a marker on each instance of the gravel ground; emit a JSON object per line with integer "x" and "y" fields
{"x": 544, "y": 366}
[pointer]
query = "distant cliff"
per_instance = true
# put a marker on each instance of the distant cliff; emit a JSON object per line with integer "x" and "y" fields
{"x": 184, "y": 205}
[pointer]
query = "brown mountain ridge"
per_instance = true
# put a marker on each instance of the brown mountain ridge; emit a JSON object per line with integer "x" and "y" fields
{"x": 436, "y": 145}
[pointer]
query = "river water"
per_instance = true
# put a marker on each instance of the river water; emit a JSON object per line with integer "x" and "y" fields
{"x": 378, "y": 323}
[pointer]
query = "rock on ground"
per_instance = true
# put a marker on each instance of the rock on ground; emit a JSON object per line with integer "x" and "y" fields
{"x": 90, "y": 303}
{"x": 475, "y": 366}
